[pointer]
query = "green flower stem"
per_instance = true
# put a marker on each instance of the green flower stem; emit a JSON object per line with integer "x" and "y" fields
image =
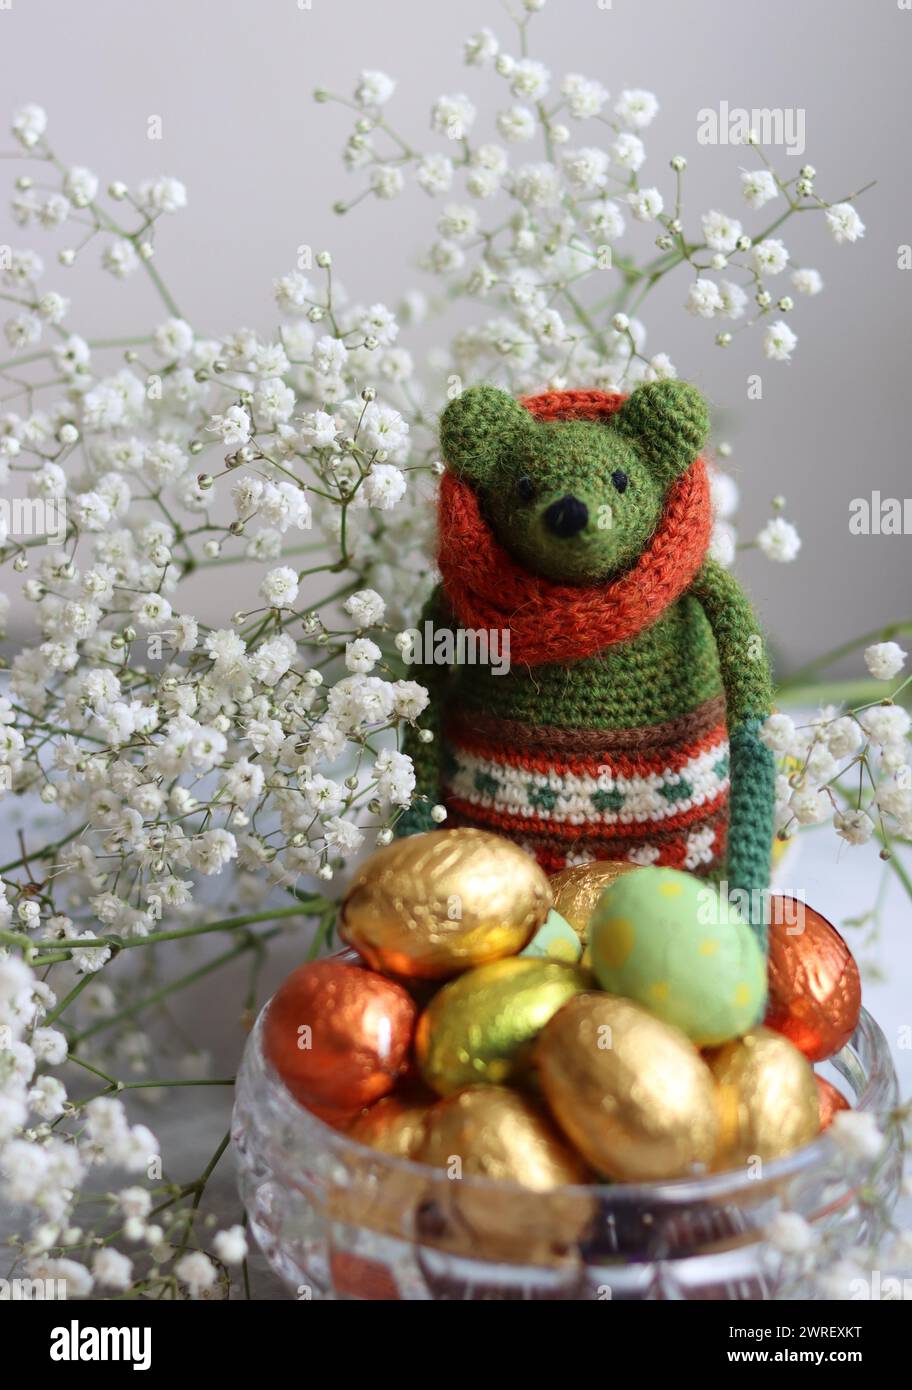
{"x": 56, "y": 729}
{"x": 96, "y": 1071}
{"x": 820, "y": 663}
{"x": 199, "y": 1189}
{"x": 311, "y": 907}
{"x": 814, "y": 693}
{"x": 236, "y": 559}
{"x": 211, "y": 1167}
{"x": 163, "y": 290}
{"x": 16, "y": 938}
{"x": 118, "y": 1086}
{"x": 897, "y": 866}
{"x": 173, "y": 986}
{"x": 67, "y": 1001}
{"x": 43, "y": 853}
{"x": 891, "y": 858}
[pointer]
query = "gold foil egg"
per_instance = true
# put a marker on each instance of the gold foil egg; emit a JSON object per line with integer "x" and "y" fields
{"x": 631, "y": 1093}
{"x": 496, "y": 1133}
{"x": 369, "y": 1191}
{"x": 430, "y": 906}
{"x": 577, "y": 890}
{"x": 481, "y": 1027}
{"x": 395, "y": 1125}
{"x": 766, "y": 1095}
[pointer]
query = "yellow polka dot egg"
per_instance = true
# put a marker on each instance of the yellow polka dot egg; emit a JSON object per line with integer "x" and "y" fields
{"x": 675, "y": 945}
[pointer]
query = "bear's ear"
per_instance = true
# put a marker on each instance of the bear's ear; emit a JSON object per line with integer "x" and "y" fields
{"x": 479, "y": 429}
{"x": 669, "y": 420}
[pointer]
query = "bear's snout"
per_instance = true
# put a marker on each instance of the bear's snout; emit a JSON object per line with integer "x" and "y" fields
{"x": 567, "y": 517}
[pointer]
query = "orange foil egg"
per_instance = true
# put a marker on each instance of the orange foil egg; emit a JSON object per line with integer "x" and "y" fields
{"x": 814, "y": 985}
{"x": 830, "y": 1100}
{"x": 339, "y": 1036}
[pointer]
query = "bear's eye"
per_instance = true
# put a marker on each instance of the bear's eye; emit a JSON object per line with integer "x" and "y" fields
{"x": 525, "y": 489}
{"x": 619, "y": 478}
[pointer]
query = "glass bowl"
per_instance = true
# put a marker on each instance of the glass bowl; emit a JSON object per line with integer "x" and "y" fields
{"x": 338, "y": 1220}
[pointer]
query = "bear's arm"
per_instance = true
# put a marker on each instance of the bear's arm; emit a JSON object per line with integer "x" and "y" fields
{"x": 426, "y": 757}
{"x": 748, "y": 697}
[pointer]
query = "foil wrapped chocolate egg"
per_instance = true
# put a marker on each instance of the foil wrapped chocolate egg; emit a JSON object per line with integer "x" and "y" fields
{"x": 814, "y": 984}
{"x": 555, "y": 940}
{"x": 395, "y": 1125}
{"x": 766, "y": 1096}
{"x": 577, "y": 890}
{"x": 481, "y": 1027}
{"x": 430, "y": 906}
{"x": 630, "y": 1092}
{"x": 368, "y": 1190}
{"x": 677, "y": 946}
{"x": 831, "y": 1101}
{"x": 533, "y": 1211}
{"x": 338, "y": 1035}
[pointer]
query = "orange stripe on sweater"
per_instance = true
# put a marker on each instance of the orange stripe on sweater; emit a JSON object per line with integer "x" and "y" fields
{"x": 513, "y": 825}
{"x": 617, "y": 764}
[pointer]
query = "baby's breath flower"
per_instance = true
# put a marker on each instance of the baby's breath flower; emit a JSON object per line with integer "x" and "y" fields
{"x": 280, "y": 587}
{"x": 197, "y": 1271}
{"x": 29, "y": 124}
{"x": 758, "y": 187}
{"x": 855, "y": 827}
{"x": 704, "y": 299}
{"x": 646, "y": 204}
{"x": 885, "y": 660}
{"x": 845, "y": 223}
{"x": 529, "y": 78}
{"x": 779, "y": 342}
{"x": 721, "y": 232}
{"x": 770, "y": 257}
{"x": 779, "y": 540}
{"x": 778, "y": 733}
{"x": 374, "y": 88}
{"x": 231, "y": 1245}
{"x": 807, "y": 281}
{"x": 636, "y": 108}
{"x": 481, "y": 49}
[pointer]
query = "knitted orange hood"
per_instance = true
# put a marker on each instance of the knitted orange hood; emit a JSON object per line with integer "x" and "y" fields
{"x": 549, "y": 622}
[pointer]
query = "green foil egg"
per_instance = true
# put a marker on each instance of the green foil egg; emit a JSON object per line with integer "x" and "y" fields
{"x": 480, "y": 1028}
{"x": 669, "y": 941}
{"x": 554, "y": 940}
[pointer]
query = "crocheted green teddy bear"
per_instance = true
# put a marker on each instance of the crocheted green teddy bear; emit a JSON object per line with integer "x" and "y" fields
{"x": 597, "y": 681}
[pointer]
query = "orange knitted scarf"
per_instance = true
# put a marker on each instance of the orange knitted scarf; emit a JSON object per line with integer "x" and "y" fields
{"x": 550, "y": 622}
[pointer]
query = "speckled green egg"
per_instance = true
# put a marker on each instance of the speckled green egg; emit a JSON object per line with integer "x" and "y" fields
{"x": 555, "y": 940}
{"x": 672, "y": 943}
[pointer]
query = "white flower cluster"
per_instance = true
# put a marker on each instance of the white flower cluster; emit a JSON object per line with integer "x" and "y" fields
{"x": 172, "y": 749}
{"x": 778, "y": 540}
{"x": 853, "y": 768}
{"x": 535, "y": 217}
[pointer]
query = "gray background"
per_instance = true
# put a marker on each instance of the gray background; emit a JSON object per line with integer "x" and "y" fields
{"x": 232, "y": 81}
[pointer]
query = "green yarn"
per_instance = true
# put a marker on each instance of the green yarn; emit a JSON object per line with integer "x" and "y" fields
{"x": 618, "y": 471}
{"x": 739, "y": 641}
{"x": 669, "y": 422}
{"x": 704, "y": 646}
{"x": 751, "y": 802}
{"x": 665, "y": 671}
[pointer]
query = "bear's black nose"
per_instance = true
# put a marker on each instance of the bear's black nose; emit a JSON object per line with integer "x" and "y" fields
{"x": 567, "y": 517}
